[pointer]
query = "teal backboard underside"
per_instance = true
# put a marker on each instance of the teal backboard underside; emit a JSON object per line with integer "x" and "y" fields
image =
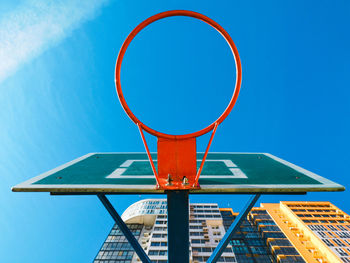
{"x": 222, "y": 172}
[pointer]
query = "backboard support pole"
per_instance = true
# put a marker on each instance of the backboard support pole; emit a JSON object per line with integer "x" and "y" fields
{"x": 123, "y": 227}
{"x": 233, "y": 229}
{"x": 178, "y": 226}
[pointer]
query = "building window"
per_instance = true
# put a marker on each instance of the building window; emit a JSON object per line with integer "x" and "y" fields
{"x": 318, "y": 227}
{"x": 286, "y": 251}
{"x": 347, "y": 242}
{"x": 342, "y": 228}
{"x": 346, "y": 260}
{"x": 343, "y": 234}
{"x": 341, "y": 252}
{"x": 198, "y": 241}
{"x": 328, "y": 242}
{"x": 158, "y": 228}
{"x": 157, "y": 244}
{"x": 338, "y": 242}
{"x": 158, "y": 235}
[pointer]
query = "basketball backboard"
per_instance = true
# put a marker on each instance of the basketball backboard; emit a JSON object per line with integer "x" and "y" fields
{"x": 120, "y": 173}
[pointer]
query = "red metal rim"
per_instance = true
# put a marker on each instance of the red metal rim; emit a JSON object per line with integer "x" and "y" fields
{"x": 170, "y": 14}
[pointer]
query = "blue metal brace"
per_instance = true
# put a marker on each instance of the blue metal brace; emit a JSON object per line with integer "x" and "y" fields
{"x": 123, "y": 227}
{"x": 232, "y": 230}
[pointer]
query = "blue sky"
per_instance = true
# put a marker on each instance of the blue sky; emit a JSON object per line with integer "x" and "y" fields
{"x": 58, "y": 100}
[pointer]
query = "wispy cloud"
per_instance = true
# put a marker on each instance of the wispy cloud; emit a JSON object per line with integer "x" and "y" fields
{"x": 35, "y": 25}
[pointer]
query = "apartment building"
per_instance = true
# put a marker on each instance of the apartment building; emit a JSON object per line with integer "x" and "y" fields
{"x": 285, "y": 232}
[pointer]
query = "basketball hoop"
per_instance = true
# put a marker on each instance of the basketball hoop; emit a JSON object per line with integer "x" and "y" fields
{"x": 177, "y": 160}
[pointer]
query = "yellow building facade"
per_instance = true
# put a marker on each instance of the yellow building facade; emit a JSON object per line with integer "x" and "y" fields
{"x": 319, "y": 231}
